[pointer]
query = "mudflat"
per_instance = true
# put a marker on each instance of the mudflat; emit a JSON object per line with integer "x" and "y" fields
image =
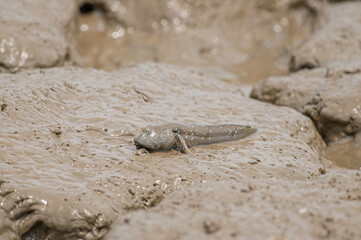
{"x": 76, "y": 91}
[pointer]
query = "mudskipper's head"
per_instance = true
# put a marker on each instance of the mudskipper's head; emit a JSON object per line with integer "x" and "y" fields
{"x": 154, "y": 139}
{"x": 249, "y": 130}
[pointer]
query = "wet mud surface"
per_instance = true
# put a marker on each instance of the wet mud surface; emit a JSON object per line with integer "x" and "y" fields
{"x": 252, "y": 209}
{"x": 31, "y": 37}
{"x": 329, "y": 93}
{"x": 82, "y": 149}
{"x": 213, "y": 34}
{"x": 69, "y": 168}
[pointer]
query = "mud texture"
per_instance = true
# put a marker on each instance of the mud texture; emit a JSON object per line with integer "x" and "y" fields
{"x": 330, "y": 97}
{"x": 237, "y": 35}
{"x": 253, "y": 209}
{"x": 37, "y": 34}
{"x": 331, "y": 94}
{"x": 68, "y": 165}
{"x": 68, "y": 155}
{"x": 337, "y": 39}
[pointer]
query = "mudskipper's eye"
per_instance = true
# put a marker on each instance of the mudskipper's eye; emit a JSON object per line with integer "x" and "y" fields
{"x": 148, "y": 131}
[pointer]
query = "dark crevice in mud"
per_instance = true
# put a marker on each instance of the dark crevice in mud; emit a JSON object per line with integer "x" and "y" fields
{"x": 88, "y": 7}
{"x": 67, "y": 56}
{"x": 309, "y": 64}
{"x": 101, "y": 230}
{"x": 37, "y": 232}
{"x": 3, "y": 108}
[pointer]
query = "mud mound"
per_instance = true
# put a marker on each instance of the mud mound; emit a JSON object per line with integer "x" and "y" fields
{"x": 68, "y": 156}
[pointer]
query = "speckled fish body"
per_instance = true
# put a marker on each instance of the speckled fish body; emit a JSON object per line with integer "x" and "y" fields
{"x": 164, "y": 137}
{"x": 207, "y": 134}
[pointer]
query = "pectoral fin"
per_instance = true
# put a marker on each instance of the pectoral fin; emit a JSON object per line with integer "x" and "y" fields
{"x": 181, "y": 144}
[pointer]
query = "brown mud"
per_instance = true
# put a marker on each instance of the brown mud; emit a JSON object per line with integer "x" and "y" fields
{"x": 327, "y": 84}
{"x": 215, "y": 34}
{"x": 78, "y": 88}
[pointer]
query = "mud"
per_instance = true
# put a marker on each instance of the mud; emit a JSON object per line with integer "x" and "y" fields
{"x": 68, "y": 165}
{"x": 37, "y": 34}
{"x": 330, "y": 95}
{"x": 68, "y": 133}
{"x": 252, "y": 209}
{"x": 337, "y": 38}
{"x": 209, "y": 34}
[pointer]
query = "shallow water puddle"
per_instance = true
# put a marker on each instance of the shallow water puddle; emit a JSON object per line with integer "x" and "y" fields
{"x": 346, "y": 155}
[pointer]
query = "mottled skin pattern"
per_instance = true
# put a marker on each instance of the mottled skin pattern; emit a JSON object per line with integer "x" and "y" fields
{"x": 170, "y": 135}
